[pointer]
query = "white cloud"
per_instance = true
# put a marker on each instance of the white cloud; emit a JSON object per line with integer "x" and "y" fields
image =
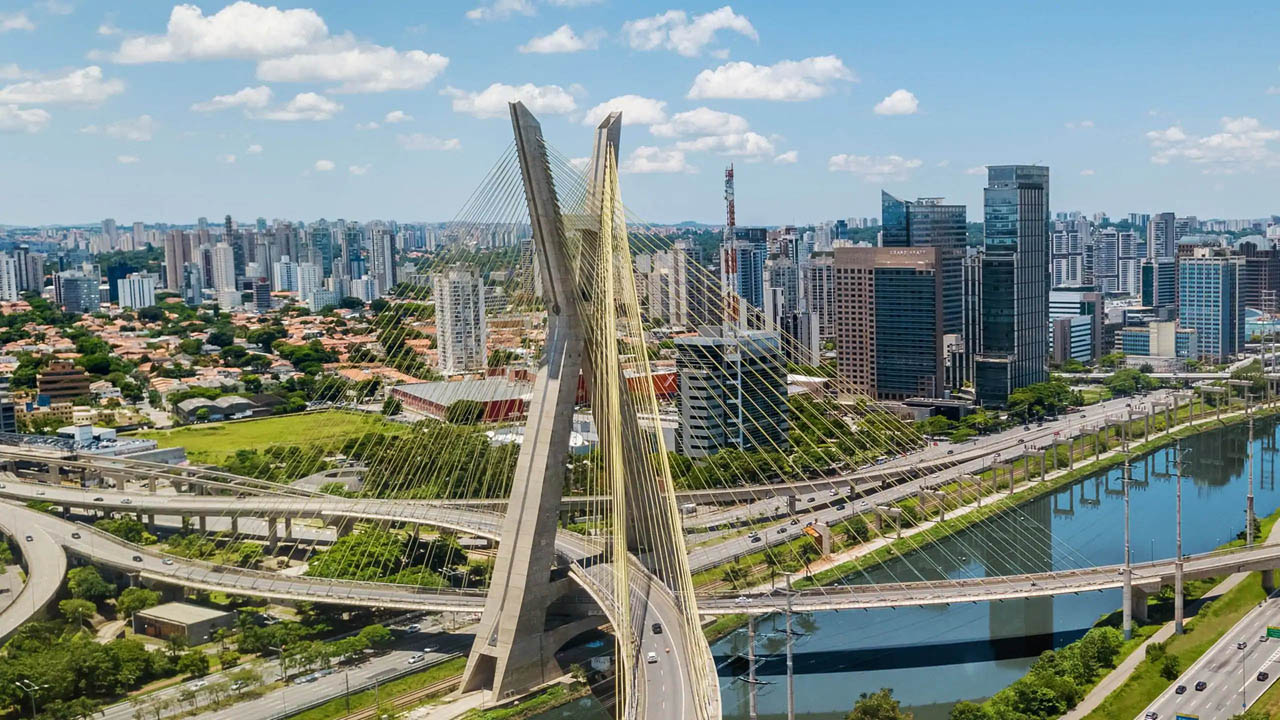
{"x": 418, "y": 141}
{"x": 788, "y": 80}
{"x": 1079, "y": 125}
{"x": 943, "y": 163}
{"x": 85, "y": 86}
{"x": 573, "y": 3}
{"x": 899, "y": 102}
{"x": 750, "y": 145}
{"x": 254, "y": 150}
{"x": 304, "y": 106}
{"x": 1242, "y": 144}
{"x": 563, "y": 40}
{"x": 700, "y": 121}
{"x": 976, "y": 170}
{"x": 790, "y": 157}
{"x": 127, "y": 159}
{"x": 365, "y": 68}
{"x": 227, "y": 159}
{"x": 359, "y": 169}
{"x": 250, "y": 98}
{"x": 108, "y": 28}
{"x": 56, "y": 7}
{"x": 1273, "y": 90}
{"x": 18, "y": 120}
{"x": 492, "y": 101}
{"x": 371, "y": 125}
{"x": 874, "y": 169}
{"x": 636, "y": 110}
{"x": 239, "y": 30}
{"x": 649, "y": 159}
{"x": 580, "y": 163}
{"x": 397, "y": 116}
{"x": 673, "y": 30}
{"x": 15, "y": 21}
{"x": 501, "y": 10}
{"x": 323, "y": 166}
{"x": 137, "y": 129}
{"x": 1086, "y": 172}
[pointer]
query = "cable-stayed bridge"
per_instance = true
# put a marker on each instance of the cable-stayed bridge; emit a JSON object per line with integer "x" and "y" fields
{"x": 583, "y": 540}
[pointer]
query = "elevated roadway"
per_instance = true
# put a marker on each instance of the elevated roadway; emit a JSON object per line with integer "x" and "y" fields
{"x": 45, "y": 564}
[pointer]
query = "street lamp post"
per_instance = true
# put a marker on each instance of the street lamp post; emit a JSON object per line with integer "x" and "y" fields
{"x": 31, "y": 689}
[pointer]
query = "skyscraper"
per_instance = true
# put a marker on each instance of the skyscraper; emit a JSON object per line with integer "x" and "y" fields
{"x": 384, "y": 270}
{"x": 1209, "y": 301}
{"x": 137, "y": 290}
{"x": 1015, "y": 282}
{"x": 76, "y": 292}
{"x": 177, "y": 253}
{"x": 8, "y": 278}
{"x": 889, "y": 310}
{"x": 460, "y": 321}
{"x": 742, "y": 270}
{"x": 1162, "y": 236}
{"x": 310, "y": 280}
{"x": 927, "y": 222}
{"x": 285, "y": 275}
{"x": 733, "y": 392}
{"x": 223, "y": 275}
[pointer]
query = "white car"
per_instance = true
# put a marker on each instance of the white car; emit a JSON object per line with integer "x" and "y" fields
{"x": 127, "y": 501}
{"x": 651, "y": 658}
{"x": 414, "y": 660}
{"x": 198, "y": 684}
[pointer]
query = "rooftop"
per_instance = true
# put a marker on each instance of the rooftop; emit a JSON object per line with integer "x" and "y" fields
{"x": 182, "y": 613}
{"x": 491, "y": 389}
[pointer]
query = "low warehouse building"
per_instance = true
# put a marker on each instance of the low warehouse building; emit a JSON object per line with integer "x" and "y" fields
{"x": 193, "y": 623}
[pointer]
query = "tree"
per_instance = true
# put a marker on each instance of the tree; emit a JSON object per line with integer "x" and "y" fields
{"x": 1111, "y": 360}
{"x": 1171, "y": 667}
{"x": 77, "y": 611}
{"x": 375, "y": 635}
{"x": 194, "y": 663}
{"x": 85, "y": 583}
{"x": 392, "y": 406}
{"x": 351, "y": 303}
{"x": 228, "y": 659}
{"x": 464, "y": 412}
{"x": 879, "y": 705}
{"x": 1127, "y": 381}
{"x": 252, "y": 383}
{"x": 969, "y": 711}
{"x": 222, "y": 337}
{"x": 135, "y": 599}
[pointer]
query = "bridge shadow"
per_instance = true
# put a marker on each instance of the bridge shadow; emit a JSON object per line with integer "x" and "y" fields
{"x": 907, "y": 656}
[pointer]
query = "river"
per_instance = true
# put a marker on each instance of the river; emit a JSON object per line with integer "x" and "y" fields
{"x": 934, "y": 657}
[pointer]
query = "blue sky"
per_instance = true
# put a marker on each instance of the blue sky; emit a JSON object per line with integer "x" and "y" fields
{"x": 147, "y": 111}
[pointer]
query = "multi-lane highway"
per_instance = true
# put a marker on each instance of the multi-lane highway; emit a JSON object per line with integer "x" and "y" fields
{"x": 1228, "y": 671}
{"x": 45, "y": 563}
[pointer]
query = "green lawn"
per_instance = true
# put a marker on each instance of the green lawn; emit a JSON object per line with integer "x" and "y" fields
{"x": 212, "y": 442}
{"x": 337, "y": 707}
{"x": 1093, "y": 396}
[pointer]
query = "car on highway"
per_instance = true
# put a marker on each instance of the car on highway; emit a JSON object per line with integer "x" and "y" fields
{"x": 168, "y": 561}
{"x": 795, "y": 521}
{"x": 98, "y": 499}
{"x": 1200, "y": 686}
{"x": 740, "y": 601}
{"x": 198, "y": 684}
{"x": 1263, "y": 676}
{"x": 1151, "y": 715}
{"x": 1262, "y": 639}
{"x": 656, "y": 628}
{"x": 840, "y": 507}
{"x": 1180, "y": 689}
{"x": 416, "y": 658}
{"x": 782, "y": 530}
{"x": 755, "y": 539}
{"x": 1, "y": 486}
{"x": 39, "y": 492}
{"x": 1242, "y": 645}
{"x": 413, "y": 628}
{"x": 29, "y": 538}
{"x": 651, "y": 658}
{"x": 137, "y": 558}
{"x": 127, "y": 501}
{"x": 75, "y": 536}
{"x": 833, "y": 492}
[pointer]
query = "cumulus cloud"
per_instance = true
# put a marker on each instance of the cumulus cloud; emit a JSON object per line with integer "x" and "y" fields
{"x": 85, "y": 86}
{"x": 250, "y": 98}
{"x": 1086, "y": 172}
{"x": 418, "y": 141}
{"x": 899, "y": 102}
{"x": 11, "y": 71}
{"x": 1242, "y": 144}
{"x": 872, "y": 168}
{"x": 976, "y": 170}
{"x": 1079, "y": 124}
{"x": 649, "y": 159}
{"x": 673, "y": 30}
{"x": 789, "y": 80}
{"x": 371, "y": 125}
{"x": 789, "y": 157}
{"x": 359, "y": 169}
{"x": 15, "y": 21}
{"x": 127, "y": 159}
{"x": 580, "y": 163}
{"x": 492, "y": 101}
{"x": 397, "y": 116}
{"x": 107, "y": 28}
{"x": 14, "y": 119}
{"x": 323, "y": 166}
{"x": 361, "y": 69}
{"x": 56, "y": 7}
{"x": 750, "y": 145}
{"x": 700, "y": 121}
{"x": 137, "y": 129}
{"x": 254, "y": 150}
{"x": 304, "y": 106}
{"x": 1273, "y": 90}
{"x": 501, "y": 9}
{"x": 636, "y": 110}
{"x": 563, "y": 40}
{"x": 240, "y": 30}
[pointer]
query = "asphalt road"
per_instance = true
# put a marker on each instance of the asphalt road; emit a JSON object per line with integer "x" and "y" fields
{"x": 1230, "y": 674}
{"x": 46, "y": 563}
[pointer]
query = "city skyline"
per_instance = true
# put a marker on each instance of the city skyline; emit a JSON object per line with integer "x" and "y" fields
{"x": 259, "y": 111}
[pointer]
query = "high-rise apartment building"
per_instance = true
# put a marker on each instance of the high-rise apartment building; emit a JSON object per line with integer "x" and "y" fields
{"x": 927, "y": 222}
{"x": 890, "y": 310}
{"x": 1162, "y": 236}
{"x": 8, "y": 278}
{"x": 285, "y": 275}
{"x": 1210, "y": 303}
{"x": 742, "y": 269}
{"x": 733, "y": 392}
{"x": 136, "y": 290}
{"x": 1160, "y": 284}
{"x": 75, "y": 291}
{"x": 310, "y": 280}
{"x": 460, "y": 320}
{"x": 223, "y": 274}
{"x": 1070, "y": 241}
{"x": 1015, "y": 282}
{"x": 177, "y": 252}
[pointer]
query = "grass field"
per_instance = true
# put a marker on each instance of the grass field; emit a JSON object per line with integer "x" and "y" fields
{"x": 212, "y": 442}
{"x": 337, "y": 707}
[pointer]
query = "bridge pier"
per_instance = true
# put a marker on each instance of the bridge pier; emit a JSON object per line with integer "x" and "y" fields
{"x": 343, "y": 527}
{"x": 151, "y": 484}
{"x": 273, "y": 530}
{"x": 1268, "y": 581}
{"x": 288, "y": 528}
{"x": 1138, "y": 605}
{"x": 1026, "y": 470}
{"x": 792, "y": 504}
{"x": 235, "y": 524}
{"x": 203, "y": 523}
{"x": 120, "y": 482}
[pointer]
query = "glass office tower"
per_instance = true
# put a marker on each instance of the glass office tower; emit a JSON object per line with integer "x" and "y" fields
{"x": 1015, "y": 282}
{"x": 927, "y": 222}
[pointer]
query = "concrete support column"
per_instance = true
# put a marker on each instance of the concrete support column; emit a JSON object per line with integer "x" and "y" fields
{"x": 288, "y": 528}
{"x": 343, "y": 526}
{"x": 1268, "y": 581}
{"x": 119, "y": 482}
{"x": 151, "y": 483}
{"x": 1071, "y": 453}
{"x": 1138, "y": 608}
{"x": 1026, "y": 468}
{"x": 791, "y": 504}
{"x": 272, "y": 532}
{"x": 235, "y": 525}
{"x": 1146, "y": 433}
{"x": 203, "y": 524}
{"x": 1044, "y": 463}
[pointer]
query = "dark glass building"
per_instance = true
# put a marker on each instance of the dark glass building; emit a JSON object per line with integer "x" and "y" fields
{"x": 1015, "y": 282}
{"x": 927, "y": 222}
